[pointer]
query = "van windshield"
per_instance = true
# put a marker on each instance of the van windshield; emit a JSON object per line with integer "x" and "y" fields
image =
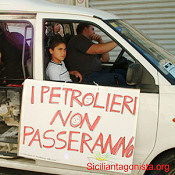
{"x": 162, "y": 60}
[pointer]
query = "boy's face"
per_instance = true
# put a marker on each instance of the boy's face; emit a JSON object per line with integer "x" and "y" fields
{"x": 58, "y": 53}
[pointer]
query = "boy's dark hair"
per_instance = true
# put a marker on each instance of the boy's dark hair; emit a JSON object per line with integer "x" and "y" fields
{"x": 81, "y": 27}
{"x": 55, "y": 41}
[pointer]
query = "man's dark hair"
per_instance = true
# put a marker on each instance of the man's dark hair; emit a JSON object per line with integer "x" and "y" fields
{"x": 81, "y": 27}
{"x": 55, "y": 41}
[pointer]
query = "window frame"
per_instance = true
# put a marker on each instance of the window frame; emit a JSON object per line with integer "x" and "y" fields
{"x": 28, "y": 24}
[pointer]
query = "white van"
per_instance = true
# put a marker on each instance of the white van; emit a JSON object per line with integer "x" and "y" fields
{"x": 26, "y": 24}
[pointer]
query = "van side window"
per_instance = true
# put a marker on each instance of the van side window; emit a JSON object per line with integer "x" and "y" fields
{"x": 16, "y": 48}
{"x": 113, "y": 71}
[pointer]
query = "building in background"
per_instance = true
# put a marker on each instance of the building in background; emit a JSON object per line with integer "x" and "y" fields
{"x": 154, "y": 17}
{"x": 82, "y": 3}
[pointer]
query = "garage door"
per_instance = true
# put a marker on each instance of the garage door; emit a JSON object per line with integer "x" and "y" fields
{"x": 154, "y": 17}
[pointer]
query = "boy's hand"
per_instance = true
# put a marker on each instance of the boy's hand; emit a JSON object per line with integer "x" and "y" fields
{"x": 77, "y": 75}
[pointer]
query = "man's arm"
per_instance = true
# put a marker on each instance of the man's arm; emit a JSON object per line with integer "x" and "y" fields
{"x": 101, "y": 48}
{"x": 104, "y": 56}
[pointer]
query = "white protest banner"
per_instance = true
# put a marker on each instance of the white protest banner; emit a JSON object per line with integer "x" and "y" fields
{"x": 82, "y": 125}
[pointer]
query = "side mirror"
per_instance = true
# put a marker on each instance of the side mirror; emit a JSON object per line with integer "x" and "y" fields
{"x": 134, "y": 74}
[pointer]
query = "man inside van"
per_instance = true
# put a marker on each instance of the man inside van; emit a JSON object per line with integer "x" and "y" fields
{"x": 86, "y": 57}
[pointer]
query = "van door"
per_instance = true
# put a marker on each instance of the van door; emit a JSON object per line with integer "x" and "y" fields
{"x": 148, "y": 108}
{"x": 16, "y": 58}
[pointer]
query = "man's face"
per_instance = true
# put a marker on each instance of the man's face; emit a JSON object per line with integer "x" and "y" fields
{"x": 90, "y": 31}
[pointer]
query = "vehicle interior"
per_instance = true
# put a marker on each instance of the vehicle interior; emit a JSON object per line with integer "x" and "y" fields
{"x": 69, "y": 31}
{"x": 120, "y": 59}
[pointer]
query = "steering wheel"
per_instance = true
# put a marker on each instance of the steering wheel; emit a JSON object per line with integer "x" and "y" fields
{"x": 117, "y": 60}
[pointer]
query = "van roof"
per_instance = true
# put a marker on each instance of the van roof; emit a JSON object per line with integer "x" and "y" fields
{"x": 35, "y": 6}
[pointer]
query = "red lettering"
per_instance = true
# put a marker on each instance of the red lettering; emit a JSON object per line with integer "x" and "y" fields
{"x": 61, "y": 140}
{"x": 108, "y": 167}
{"x": 59, "y": 113}
{"x": 100, "y": 138}
{"x": 91, "y": 127}
{"x": 125, "y": 150}
{"x": 135, "y": 103}
{"x": 108, "y": 141}
{"x": 54, "y": 95}
{"x": 130, "y": 151}
{"x": 95, "y": 103}
{"x": 115, "y": 103}
{"x": 116, "y": 147}
{"x": 27, "y": 133}
{"x": 66, "y": 93}
{"x": 125, "y": 103}
{"x": 97, "y": 167}
{"x": 107, "y": 102}
{"x": 87, "y": 103}
{"x": 89, "y": 166}
{"x": 44, "y": 89}
{"x": 37, "y": 134}
{"x": 32, "y": 96}
{"x": 83, "y": 141}
{"x": 48, "y": 138}
{"x": 70, "y": 140}
{"x": 74, "y": 98}
{"x": 76, "y": 120}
